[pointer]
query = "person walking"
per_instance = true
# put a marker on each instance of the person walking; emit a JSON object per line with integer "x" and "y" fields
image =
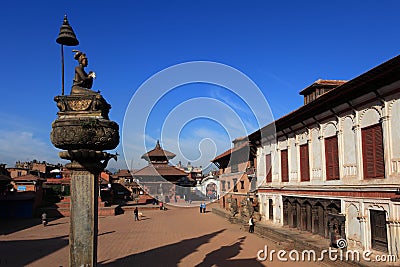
{"x": 201, "y": 207}
{"x": 251, "y": 225}
{"x": 44, "y": 218}
{"x": 136, "y": 213}
{"x": 204, "y": 207}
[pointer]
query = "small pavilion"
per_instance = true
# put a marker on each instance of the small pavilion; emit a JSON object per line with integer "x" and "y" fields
{"x": 159, "y": 178}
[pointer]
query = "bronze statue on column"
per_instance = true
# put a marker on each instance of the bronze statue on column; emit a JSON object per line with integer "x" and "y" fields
{"x": 83, "y": 131}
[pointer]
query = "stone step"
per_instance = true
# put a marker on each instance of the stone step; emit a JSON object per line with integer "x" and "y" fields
{"x": 140, "y": 207}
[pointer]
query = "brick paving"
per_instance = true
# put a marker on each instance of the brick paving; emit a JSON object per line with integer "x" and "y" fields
{"x": 176, "y": 237}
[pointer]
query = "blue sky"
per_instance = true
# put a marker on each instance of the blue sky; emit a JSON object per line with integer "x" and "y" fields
{"x": 282, "y": 46}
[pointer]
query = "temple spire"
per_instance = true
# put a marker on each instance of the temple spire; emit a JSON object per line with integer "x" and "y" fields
{"x": 158, "y": 155}
{"x": 158, "y": 145}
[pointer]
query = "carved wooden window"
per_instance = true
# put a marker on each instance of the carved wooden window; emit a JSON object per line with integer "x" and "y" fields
{"x": 332, "y": 158}
{"x": 372, "y": 147}
{"x": 268, "y": 168}
{"x": 284, "y": 166}
{"x": 304, "y": 163}
{"x": 241, "y": 184}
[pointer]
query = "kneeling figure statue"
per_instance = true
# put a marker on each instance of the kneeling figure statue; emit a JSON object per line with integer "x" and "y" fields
{"x": 82, "y": 81}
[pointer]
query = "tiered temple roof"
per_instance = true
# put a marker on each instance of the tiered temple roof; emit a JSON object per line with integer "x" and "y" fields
{"x": 159, "y": 167}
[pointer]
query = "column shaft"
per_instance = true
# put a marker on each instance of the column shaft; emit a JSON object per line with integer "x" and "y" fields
{"x": 84, "y": 219}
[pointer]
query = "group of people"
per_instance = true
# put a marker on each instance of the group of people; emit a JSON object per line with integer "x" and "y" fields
{"x": 203, "y": 207}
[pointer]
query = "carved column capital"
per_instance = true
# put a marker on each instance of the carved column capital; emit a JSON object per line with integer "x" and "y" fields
{"x": 85, "y": 159}
{"x": 356, "y": 127}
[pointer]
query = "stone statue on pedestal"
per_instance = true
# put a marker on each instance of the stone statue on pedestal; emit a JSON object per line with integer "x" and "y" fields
{"x": 83, "y": 131}
{"x": 83, "y": 81}
{"x": 83, "y": 121}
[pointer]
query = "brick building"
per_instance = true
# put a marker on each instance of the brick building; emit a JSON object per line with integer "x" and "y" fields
{"x": 236, "y": 174}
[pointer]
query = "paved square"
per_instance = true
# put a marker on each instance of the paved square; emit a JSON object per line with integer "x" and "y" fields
{"x": 176, "y": 237}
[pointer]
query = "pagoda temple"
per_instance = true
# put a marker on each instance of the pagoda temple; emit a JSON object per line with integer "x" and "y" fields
{"x": 159, "y": 178}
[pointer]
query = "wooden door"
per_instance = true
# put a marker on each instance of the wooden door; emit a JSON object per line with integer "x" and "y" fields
{"x": 378, "y": 230}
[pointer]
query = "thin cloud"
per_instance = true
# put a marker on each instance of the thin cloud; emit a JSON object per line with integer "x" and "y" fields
{"x": 199, "y": 147}
{"x": 233, "y": 103}
{"x": 25, "y": 146}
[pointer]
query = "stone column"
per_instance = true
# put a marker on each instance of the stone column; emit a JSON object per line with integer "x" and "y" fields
{"x": 394, "y": 237}
{"x": 83, "y": 130}
{"x": 341, "y": 149}
{"x": 386, "y": 144}
{"x": 358, "y": 143}
{"x": 83, "y": 229}
{"x": 364, "y": 231}
{"x": 314, "y": 219}
{"x": 86, "y": 167}
{"x": 303, "y": 215}
{"x": 326, "y": 220}
{"x": 285, "y": 210}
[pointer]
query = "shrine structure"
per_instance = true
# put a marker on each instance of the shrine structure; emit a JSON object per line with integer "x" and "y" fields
{"x": 160, "y": 179}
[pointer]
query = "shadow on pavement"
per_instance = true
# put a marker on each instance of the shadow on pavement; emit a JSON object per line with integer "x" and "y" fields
{"x": 171, "y": 255}
{"x": 106, "y": 233}
{"x": 223, "y": 257}
{"x": 24, "y": 252}
{"x": 144, "y": 219}
{"x": 223, "y": 254}
{"x": 53, "y": 224}
{"x": 9, "y": 226}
